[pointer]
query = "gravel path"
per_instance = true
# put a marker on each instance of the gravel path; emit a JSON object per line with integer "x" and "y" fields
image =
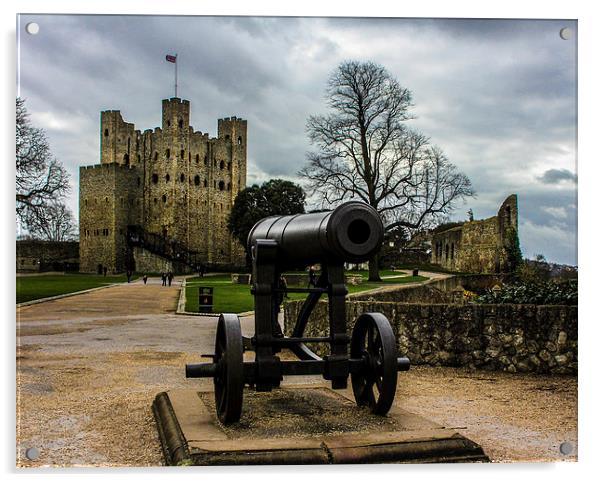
{"x": 89, "y": 366}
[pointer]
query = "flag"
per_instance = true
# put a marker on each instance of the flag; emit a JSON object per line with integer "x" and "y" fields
{"x": 171, "y": 58}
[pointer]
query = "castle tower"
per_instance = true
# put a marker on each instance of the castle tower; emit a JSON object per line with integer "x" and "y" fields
{"x": 170, "y": 181}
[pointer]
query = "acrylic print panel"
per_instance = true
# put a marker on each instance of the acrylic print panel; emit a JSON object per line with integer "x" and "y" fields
{"x": 149, "y": 146}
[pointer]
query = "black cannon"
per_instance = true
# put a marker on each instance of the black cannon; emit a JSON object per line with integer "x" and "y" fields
{"x": 353, "y": 232}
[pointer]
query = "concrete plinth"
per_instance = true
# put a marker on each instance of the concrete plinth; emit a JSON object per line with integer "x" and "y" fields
{"x": 301, "y": 425}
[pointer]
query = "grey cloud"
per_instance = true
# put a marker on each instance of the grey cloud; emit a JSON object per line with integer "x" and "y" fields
{"x": 555, "y": 176}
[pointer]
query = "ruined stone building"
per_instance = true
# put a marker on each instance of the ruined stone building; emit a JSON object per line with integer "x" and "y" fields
{"x": 477, "y": 246}
{"x": 163, "y": 188}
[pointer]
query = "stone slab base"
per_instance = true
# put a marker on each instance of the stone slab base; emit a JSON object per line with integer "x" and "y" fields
{"x": 301, "y": 425}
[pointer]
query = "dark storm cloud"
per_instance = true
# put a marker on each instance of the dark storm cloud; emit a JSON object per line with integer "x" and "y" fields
{"x": 497, "y": 96}
{"x": 555, "y": 176}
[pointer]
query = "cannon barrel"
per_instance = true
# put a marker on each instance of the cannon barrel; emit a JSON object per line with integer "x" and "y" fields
{"x": 352, "y": 232}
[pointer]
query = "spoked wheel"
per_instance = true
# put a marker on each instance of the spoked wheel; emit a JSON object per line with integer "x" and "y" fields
{"x": 228, "y": 379}
{"x": 373, "y": 341}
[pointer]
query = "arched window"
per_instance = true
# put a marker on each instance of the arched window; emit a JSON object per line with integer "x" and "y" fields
{"x": 138, "y": 157}
{"x": 167, "y": 153}
{"x": 106, "y": 132}
{"x": 182, "y": 177}
{"x": 197, "y": 180}
{"x": 156, "y": 155}
{"x": 180, "y": 123}
{"x": 168, "y": 123}
{"x": 197, "y": 158}
{"x": 155, "y": 200}
{"x": 164, "y": 198}
{"x": 221, "y": 164}
{"x": 240, "y": 140}
{"x": 85, "y": 202}
{"x": 106, "y": 199}
{"x": 167, "y": 177}
{"x": 155, "y": 178}
{"x": 222, "y": 185}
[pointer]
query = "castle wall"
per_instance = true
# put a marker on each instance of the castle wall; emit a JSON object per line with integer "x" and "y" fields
{"x": 477, "y": 246}
{"x": 181, "y": 185}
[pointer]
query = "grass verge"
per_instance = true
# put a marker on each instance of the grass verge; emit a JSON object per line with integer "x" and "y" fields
{"x": 35, "y": 287}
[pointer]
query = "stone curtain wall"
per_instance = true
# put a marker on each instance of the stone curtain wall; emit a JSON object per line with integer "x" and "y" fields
{"x": 513, "y": 338}
{"x": 34, "y": 255}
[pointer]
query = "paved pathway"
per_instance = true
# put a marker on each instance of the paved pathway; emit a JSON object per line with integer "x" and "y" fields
{"x": 90, "y": 365}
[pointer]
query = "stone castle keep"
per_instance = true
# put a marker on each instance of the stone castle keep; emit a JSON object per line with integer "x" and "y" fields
{"x": 477, "y": 246}
{"x": 171, "y": 183}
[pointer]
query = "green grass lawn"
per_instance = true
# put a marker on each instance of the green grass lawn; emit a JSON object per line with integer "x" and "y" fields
{"x": 237, "y": 298}
{"x": 36, "y": 287}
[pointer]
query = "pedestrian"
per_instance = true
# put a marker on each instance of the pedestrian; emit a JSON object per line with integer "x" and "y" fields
{"x": 128, "y": 273}
{"x": 163, "y": 279}
{"x": 145, "y": 278}
{"x": 201, "y": 270}
{"x": 312, "y": 277}
{"x": 169, "y": 277}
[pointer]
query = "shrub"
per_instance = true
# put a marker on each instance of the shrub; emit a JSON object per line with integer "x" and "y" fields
{"x": 538, "y": 293}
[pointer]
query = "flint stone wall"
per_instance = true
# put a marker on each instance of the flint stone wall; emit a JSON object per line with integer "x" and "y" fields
{"x": 512, "y": 338}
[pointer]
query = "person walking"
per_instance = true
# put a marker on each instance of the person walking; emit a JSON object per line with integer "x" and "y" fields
{"x": 145, "y": 278}
{"x": 312, "y": 277}
{"x": 169, "y": 277}
{"x": 163, "y": 279}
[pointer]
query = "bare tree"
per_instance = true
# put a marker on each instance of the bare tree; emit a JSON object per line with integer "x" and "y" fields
{"x": 365, "y": 151}
{"x": 41, "y": 179}
{"x": 54, "y": 223}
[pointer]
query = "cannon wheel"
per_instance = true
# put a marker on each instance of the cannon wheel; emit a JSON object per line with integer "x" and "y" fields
{"x": 373, "y": 341}
{"x": 228, "y": 379}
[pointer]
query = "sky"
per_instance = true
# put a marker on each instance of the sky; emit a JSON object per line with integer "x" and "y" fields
{"x": 497, "y": 96}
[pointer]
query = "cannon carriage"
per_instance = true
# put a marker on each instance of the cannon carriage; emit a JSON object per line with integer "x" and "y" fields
{"x": 353, "y": 232}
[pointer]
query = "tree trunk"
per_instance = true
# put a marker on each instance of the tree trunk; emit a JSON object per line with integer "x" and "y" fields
{"x": 373, "y": 269}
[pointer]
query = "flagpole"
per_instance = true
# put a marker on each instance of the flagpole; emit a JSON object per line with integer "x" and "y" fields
{"x": 176, "y": 85}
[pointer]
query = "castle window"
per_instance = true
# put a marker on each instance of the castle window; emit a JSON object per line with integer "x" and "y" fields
{"x": 85, "y": 202}
{"x": 164, "y": 198}
{"x": 197, "y": 158}
{"x": 180, "y": 123}
{"x": 239, "y": 140}
{"x": 222, "y": 185}
{"x": 155, "y": 178}
{"x": 138, "y": 157}
{"x": 221, "y": 164}
{"x": 106, "y": 132}
{"x": 167, "y": 178}
{"x": 197, "y": 180}
{"x": 168, "y": 123}
{"x": 167, "y": 153}
{"x": 106, "y": 199}
{"x": 182, "y": 177}
{"x": 227, "y": 137}
{"x": 156, "y": 155}
{"x": 155, "y": 200}
{"x": 182, "y": 153}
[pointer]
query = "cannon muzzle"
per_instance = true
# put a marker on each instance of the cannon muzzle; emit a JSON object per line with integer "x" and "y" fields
{"x": 352, "y": 232}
